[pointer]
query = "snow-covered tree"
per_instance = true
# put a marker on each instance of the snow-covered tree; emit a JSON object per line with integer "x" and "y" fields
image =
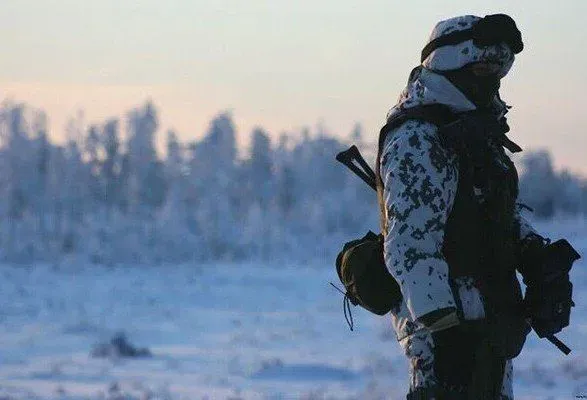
{"x": 538, "y": 185}
{"x": 212, "y": 170}
{"x": 146, "y": 188}
{"x": 259, "y": 170}
{"x": 106, "y": 194}
{"x": 110, "y": 167}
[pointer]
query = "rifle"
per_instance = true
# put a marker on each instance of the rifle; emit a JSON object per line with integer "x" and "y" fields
{"x": 366, "y": 173}
{"x": 362, "y": 170}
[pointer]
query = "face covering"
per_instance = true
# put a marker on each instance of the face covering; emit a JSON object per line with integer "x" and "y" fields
{"x": 479, "y": 89}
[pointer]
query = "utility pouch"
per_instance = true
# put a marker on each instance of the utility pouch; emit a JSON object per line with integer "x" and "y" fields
{"x": 548, "y": 297}
{"x": 361, "y": 269}
{"x": 549, "y": 306}
{"x": 545, "y": 263}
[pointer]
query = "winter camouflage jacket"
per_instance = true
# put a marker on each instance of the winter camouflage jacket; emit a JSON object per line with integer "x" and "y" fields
{"x": 420, "y": 178}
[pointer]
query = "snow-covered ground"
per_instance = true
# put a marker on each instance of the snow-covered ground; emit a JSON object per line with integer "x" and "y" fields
{"x": 227, "y": 331}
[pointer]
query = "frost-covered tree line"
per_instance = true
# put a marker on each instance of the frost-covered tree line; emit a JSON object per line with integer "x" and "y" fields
{"x": 108, "y": 196}
{"x": 549, "y": 192}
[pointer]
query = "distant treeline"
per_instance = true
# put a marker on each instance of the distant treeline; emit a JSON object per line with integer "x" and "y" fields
{"x": 109, "y": 197}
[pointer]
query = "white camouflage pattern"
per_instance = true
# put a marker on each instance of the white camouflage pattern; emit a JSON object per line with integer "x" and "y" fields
{"x": 451, "y": 57}
{"x": 420, "y": 179}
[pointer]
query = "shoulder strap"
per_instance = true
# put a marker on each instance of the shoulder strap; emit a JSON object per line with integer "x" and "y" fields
{"x": 436, "y": 114}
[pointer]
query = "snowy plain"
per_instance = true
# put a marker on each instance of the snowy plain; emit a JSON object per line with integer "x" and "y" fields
{"x": 231, "y": 331}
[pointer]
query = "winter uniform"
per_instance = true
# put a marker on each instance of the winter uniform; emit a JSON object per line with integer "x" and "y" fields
{"x": 422, "y": 191}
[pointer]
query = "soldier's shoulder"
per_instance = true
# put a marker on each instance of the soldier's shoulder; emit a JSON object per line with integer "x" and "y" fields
{"x": 418, "y": 143}
{"x": 412, "y": 133}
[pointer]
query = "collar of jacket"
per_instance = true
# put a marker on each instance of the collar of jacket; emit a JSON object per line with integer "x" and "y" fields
{"x": 426, "y": 87}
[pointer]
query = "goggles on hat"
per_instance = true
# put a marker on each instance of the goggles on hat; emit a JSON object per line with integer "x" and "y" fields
{"x": 488, "y": 31}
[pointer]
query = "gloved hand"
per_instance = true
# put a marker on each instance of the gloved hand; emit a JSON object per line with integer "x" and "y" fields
{"x": 548, "y": 298}
{"x": 549, "y": 306}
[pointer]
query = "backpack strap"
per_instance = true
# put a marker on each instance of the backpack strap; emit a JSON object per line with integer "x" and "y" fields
{"x": 437, "y": 114}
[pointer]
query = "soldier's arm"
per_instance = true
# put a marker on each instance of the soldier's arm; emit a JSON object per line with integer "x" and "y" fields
{"x": 420, "y": 179}
{"x": 525, "y": 229}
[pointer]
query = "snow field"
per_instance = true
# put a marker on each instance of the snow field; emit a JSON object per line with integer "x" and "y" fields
{"x": 231, "y": 331}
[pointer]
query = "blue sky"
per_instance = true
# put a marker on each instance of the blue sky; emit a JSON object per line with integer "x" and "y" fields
{"x": 280, "y": 64}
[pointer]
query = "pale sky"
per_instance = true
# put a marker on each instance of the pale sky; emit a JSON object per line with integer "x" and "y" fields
{"x": 280, "y": 64}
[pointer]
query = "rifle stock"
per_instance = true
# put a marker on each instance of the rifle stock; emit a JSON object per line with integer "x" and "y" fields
{"x": 362, "y": 170}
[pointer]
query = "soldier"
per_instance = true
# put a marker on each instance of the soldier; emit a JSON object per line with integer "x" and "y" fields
{"x": 453, "y": 234}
